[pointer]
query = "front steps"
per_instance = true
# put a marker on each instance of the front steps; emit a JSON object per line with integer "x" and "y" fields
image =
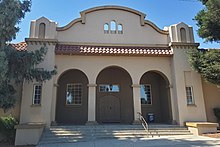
{"x": 70, "y": 134}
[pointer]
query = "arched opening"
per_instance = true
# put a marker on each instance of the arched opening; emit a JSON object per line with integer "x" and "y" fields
{"x": 113, "y": 27}
{"x": 106, "y": 28}
{"x": 114, "y": 96}
{"x": 155, "y": 97}
{"x": 120, "y": 29}
{"x": 42, "y": 29}
{"x": 183, "y": 34}
{"x": 72, "y": 98}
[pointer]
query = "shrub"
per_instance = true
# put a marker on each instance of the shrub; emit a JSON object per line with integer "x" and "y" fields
{"x": 7, "y": 129}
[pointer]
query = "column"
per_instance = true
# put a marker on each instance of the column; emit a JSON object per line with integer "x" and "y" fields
{"x": 137, "y": 102}
{"x": 91, "y": 104}
{"x": 53, "y": 107}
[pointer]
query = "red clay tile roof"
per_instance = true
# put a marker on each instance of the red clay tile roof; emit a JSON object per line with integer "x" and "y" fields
{"x": 21, "y": 46}
{"x": 112, "y": 50}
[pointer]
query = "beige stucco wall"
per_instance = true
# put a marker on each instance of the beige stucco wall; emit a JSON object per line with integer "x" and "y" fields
{"x": 212, "y": 99}
{"x": 93, "y": 32}
{"x": 186, "y": 112}
{"x": 93, "y": 65}
{"x": 39, "y": 113}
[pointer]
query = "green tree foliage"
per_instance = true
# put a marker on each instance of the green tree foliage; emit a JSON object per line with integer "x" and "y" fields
{"x": 208, "y": 21}
{"x": 207, "y": 63}
{"x": 15, "y": 66}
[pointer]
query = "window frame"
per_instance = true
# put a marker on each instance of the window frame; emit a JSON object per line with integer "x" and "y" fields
{"x": 113, "y": 27}
{"x": 121, "y": 30}
{"x": 73, "y": 104}
{"x": 34, "y": 94}
{"x": 109, "y": 91}
{"x": 191, "y": 95}
{"x": 151, "y": 96}
{"x": 104, "y": 27}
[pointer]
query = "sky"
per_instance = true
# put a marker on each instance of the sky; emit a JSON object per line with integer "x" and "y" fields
{"x": 160, "y": 12}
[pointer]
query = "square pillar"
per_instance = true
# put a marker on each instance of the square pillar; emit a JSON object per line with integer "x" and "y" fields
{"x": 136, "y": 102}
{"x": 91, "y": 104}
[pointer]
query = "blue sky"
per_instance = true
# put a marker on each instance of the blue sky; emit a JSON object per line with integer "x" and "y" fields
{"x": 161, "y": 12}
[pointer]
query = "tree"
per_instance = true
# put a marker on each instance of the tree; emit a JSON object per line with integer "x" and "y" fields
{"x": 15, "y": 66}
{"x": 207, "y": 63}
{"x": 208, "y": 21}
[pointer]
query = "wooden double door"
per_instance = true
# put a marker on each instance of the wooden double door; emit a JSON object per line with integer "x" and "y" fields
{"x": 109, "y": 109}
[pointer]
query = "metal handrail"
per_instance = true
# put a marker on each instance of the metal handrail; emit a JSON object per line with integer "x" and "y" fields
{"x": 145, "y": 125}
{"x": 143, "y": 122}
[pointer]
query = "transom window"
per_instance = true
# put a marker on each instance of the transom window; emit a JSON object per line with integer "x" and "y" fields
{"x": 189, "y": 95}
{"x": 108, "y": 88}
{"x": 146, "y": 96}
{"x": 37, "y": 94}
{"x": 74, "y": 94}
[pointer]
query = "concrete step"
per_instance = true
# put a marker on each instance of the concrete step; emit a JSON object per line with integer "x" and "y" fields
{"x": 67, "y": 134}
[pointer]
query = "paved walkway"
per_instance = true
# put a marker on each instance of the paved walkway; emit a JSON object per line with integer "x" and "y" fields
{"x": 164, "y": 141}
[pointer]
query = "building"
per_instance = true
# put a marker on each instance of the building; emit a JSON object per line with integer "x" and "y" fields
{"x": 111, "y": 64}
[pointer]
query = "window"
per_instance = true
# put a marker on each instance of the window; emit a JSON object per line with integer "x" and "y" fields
{"x": 189, "y": 95}
{"x": 74, "y": 94}
{"x": 106, "y": 28}
{"x": 120, "y": 29}
{"x": 37, "y": 94}
{"x": 183, "y": 34}
{"x": 146, "y": 96}
{"x": 109, "y": 88}
{"x": 42, "y": 28}
{"x": 113, "y": 27}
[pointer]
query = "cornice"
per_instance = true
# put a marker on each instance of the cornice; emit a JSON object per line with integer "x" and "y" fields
{"x": 183, "y": 45}
{"x": 113, "y": 44}
{"x": 41, "y": 41}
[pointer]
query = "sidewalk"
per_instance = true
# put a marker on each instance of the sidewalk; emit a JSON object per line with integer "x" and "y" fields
{"x": 164, "y": 141}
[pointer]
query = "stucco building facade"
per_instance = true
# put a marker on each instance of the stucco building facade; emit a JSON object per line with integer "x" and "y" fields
{"x": 111, "y": 64}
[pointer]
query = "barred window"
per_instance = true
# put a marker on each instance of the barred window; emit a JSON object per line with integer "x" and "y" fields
{"x": 37, "y": 94}
{"x": 189, "y": 95}
{"x": 74, "y": 94}
{"x": 146, "y": 96}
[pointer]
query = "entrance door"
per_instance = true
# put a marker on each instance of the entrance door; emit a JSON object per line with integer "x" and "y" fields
{"x": 109, "y": 109}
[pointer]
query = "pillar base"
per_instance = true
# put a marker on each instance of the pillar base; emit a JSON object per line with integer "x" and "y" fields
{"x": 174, "y": 122}
{"x": 53, "y": 123}
{"x": 91, "y": 123}
{"x": 136, "y": 122}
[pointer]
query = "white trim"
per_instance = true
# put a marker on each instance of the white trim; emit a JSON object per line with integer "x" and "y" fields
{"x": 191, "y": 95}
{"x": 34, "y": 90}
